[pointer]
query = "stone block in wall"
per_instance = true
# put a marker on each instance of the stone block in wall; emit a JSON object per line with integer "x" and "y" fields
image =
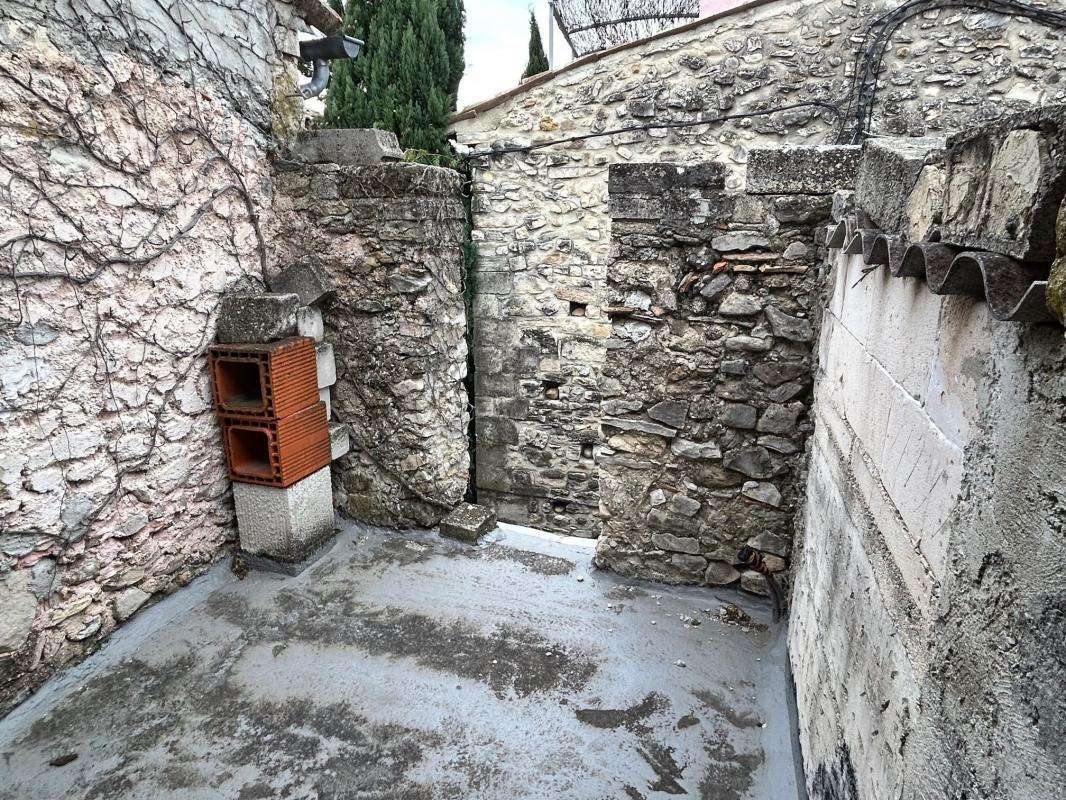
{"x": 817, "y": 169}
{"x": 256, "y": 318}
{"x": 285, "y": 525}
{"x": 1004, "y": 182}
{"x": 306, "y": 281}
{"x": 355, "y": 146}
{"x": 888, "y": 172}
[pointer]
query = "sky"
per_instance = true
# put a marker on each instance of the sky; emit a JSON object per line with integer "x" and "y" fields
{"x": 497, "y": 46}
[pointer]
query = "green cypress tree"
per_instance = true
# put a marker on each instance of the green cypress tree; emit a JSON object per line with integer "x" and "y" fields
{"x": 400, "y": 82}
{"x": 347, "y": 104}
{"x": 452, "y": 18}
{"x": 538, "y": 62}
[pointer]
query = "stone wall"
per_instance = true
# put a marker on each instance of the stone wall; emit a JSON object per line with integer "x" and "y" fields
{"x": 388, "y": 237}
{"x": 926, "y": 634}
{"x": 713, "y": 298}
{"x": 541, "y": 223}
{"x": 134, "y": 173}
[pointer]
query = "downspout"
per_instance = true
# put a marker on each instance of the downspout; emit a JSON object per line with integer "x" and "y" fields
{"x": 319, "y": 79}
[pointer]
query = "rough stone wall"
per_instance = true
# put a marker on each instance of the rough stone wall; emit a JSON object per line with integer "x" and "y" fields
{"x": 133, "y": 173}
{"x": 541, "y": 220}
{"x": 707, "y": 373}
{"x": 926, "y": 635}
{"x": 389, "y": 236}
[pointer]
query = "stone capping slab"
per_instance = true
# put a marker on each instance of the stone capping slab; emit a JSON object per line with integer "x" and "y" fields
{"x": 888, "y": 171}
{"x": 256, "y": 318}
{"x": 468, "y": 522}
{"x": 818, "y": 169}
{"x": 1004, "y": 182}
{"x": 347, "y": 146}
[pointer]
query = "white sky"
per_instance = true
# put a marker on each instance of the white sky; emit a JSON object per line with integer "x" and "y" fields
{"x": 497, "y": 46}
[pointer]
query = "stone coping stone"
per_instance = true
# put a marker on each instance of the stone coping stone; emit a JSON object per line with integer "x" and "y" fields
{"x": 888, "y": 172}
{"x": 256, "y": 318}
{"x": 347, "y": 146}
{"x": 468, "y": 522}
{"x": 819, "y": 169}
{"x": 1004, "y": 182}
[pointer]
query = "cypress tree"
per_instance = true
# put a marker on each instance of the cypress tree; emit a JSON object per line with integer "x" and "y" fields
{"x": 452, "y": 17}
{"x": 346, "y": 100}
{"x": 538, "y": 62}
{"x": 402, "y": 80}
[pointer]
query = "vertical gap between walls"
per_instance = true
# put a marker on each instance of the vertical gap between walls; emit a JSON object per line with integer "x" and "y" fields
{"x": 469, "y": 291}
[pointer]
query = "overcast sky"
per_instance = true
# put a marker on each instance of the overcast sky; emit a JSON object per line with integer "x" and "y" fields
{"x": 497, "y": 46}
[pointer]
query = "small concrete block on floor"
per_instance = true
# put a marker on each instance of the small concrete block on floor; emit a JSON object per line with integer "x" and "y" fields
{"x": 256, "y": 318}
{"x": 285, "y": 525}
{"x": 327, "y": 365}
{"x": 468, "y": 522}
{"x": 340, "y": 440}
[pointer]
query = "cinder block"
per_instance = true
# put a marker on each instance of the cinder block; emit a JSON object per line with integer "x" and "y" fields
{"x": 307, "y": 281}
{"x": 309, "y": 323}
{"x": 340, "y": 440}
{"x": 285, "y": 525}
{"x": 347, "y": 146}
{"x": 468, "y": 522}
{"x": 819, "y": 169}
{"x": 256, "y": 318}
{"x": 324, "y": 397}
{"x": 327, "y": 365}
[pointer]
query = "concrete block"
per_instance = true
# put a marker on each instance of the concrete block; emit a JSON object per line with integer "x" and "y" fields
{"x": 285, "y": 525}
{"x": 347, "y": 146}
{"x": 324, "y": 397}
{"x": 327, "y": 365}
{"x": 340, "y": 440}
{"x": 309, "y": 323}
{"x": 256, "y": 318}
{"x": 1004, "y": 184}
{"x": 821, "y": 169}
{"x": 309, "y": 282}
{"x": 888, "y": 173}
{"x": 468, "y": 522}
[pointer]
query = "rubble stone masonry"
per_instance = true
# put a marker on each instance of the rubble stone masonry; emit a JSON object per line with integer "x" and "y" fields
{"x": 388, "y": 237}
{"x": 541, "y": 222}
{"x": 134, "y": 178}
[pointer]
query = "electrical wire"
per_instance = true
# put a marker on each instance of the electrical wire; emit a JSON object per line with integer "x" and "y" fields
{"x": 653, "y": 126}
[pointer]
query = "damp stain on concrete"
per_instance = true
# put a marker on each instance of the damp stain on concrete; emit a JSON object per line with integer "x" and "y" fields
{"x": 632, "y": 718}
{"x": 509, "y": 659}
{"x": 729, "y": 711}
{"x": 185, "y": 708}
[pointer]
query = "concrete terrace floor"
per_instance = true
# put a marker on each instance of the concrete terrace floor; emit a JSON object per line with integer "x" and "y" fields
{"x": 409, "y": 666}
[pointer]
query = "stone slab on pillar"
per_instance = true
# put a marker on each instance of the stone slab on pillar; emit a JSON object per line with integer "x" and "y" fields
{"x": 352, "y": 146}
{"x": 256, "y": 318}
{"x": 284, "y": 527}
{"x": 468, "y": 522}
{"x": 817, "y": 169}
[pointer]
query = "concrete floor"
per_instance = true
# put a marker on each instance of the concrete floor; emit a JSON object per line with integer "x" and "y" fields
{"x": 408, "y": 666}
